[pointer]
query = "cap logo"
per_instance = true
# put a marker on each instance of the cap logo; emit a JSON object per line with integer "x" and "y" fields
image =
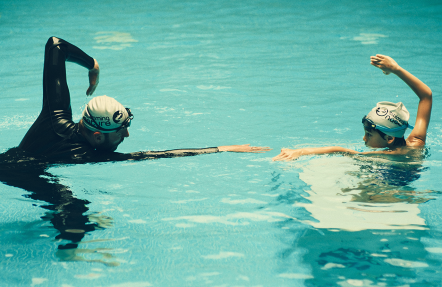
{"x": 100, "y": 121}
{"x": 117, "y": 117}
{"x": 390, "y": 116}
{"x": 381, "y": 111}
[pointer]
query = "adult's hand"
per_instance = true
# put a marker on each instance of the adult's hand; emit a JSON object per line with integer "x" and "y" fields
{"x": 94, "y": 75}
{"x": 244, "y": 148}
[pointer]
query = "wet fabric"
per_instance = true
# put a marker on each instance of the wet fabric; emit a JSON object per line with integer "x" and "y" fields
{"x": 54, "y": 136}
{"x": 55, "y": 139}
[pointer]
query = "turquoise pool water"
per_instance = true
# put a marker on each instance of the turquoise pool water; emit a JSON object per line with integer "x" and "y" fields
{"x": 201, "y": 74}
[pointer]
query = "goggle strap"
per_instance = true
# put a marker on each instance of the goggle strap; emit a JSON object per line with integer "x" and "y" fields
{"x": 385, "y": 129}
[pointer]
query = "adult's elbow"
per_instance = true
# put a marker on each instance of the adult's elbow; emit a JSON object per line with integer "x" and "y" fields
{"x": 52, "y": 41}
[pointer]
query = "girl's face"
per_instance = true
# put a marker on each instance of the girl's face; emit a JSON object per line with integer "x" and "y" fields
{"x": 374, "y": 139}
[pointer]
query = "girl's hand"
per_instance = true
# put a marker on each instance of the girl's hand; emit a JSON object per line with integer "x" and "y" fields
{"x": 385, "y": 63}
{"x": 288, "y": 154}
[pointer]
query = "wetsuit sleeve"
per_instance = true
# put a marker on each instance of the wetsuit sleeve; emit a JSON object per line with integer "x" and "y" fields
{"x": 146, "y": 155}
{"x": 56, "y": 97}
{"x": 172, "y": 153}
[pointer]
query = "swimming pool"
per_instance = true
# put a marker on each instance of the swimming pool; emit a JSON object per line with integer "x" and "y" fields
{"x": 201, "y": 74}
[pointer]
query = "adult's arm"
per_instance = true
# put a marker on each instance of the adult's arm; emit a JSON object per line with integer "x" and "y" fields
{"x": 56, "y": 97}
{"x": 418, "y": 135}
{"x": 145, "y": 155}
{"x": 171, "y": 153}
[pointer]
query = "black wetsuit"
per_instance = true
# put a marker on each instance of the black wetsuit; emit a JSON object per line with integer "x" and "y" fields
{"x": 54, "y": 135}
{"x": 55, "y": 139}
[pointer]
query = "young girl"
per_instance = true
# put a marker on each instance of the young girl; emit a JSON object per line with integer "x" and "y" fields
{"x": 385, "y": 125}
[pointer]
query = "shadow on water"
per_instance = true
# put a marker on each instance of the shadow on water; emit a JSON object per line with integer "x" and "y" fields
{"x": 67, "y": 214}
{"x": 363, "y": 222}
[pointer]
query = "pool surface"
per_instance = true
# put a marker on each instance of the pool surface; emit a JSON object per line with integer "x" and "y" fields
{"x": 211, "y": 73}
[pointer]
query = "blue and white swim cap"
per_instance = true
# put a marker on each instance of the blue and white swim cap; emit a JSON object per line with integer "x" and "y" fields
{"x": 390, "y": 118}
{"x": 104, "y": 114}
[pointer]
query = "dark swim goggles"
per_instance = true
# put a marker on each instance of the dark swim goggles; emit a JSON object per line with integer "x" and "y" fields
{"x": 369, "y": 125}
{"x": 127, "y": 121}
{"x": 125, "y": 124}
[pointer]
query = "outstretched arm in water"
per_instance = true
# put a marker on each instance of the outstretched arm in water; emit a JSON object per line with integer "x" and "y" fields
{"x": 244, "y": 148}
{"x": 292, "y": 154}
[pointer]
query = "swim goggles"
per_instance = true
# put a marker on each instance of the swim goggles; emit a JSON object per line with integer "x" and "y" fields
{"x": 127, "y": 121}
{"x": 370, "y": 125}
{"x": 125, "y": 124}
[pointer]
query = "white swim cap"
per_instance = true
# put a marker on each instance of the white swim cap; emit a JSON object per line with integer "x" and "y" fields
{"x": 104, "y": 114}
{"x": 390, "y": 118}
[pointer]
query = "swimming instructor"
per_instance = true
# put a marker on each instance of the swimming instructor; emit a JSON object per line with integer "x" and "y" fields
{"x": 104, "y": 124}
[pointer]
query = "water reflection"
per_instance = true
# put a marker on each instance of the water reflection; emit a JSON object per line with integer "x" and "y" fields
{"x": 66, "y": 213}
{"x": 364, "y": 193}
{"x": 364, "y": 225}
